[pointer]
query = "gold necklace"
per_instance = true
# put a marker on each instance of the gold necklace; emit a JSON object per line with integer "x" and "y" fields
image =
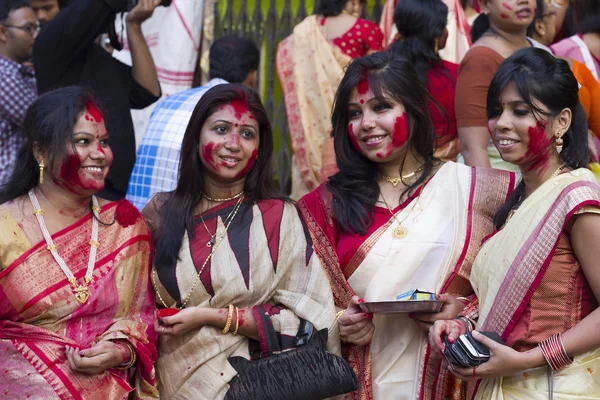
{"x": 396, "y": 180}
{"x": 222, "y": 200}
{"x": 212, "y": 251}
{"x": 514, "y": 209}
{"x": 213, "y": 238}
{"x": 399, "y": 232}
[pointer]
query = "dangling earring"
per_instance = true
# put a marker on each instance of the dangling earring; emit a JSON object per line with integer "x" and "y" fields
{"x": 435, "y": 45}
{"x": 559, "y": 144}
{"x": 42, "y": 171}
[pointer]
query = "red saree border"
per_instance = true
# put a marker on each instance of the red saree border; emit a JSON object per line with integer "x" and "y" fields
{"x": 55, "y": 235}
{"x": 79, "y": 274}
{"x": 56, "y": 371}
{"x": 511, "y": 290}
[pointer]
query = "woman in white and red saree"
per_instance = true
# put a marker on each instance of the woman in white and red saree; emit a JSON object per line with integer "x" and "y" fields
{"x": 76, "y": 306}
{"x": 537, "y": 278}
{"x": 395, "y": 219}
{"x": 310, "y": 64}
{"x": 233, "y": 260}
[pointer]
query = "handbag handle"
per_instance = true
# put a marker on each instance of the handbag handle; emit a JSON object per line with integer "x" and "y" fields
{"x": 306, "y": 331}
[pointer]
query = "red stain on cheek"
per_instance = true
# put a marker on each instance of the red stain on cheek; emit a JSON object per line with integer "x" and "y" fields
{"x": 353, "y": 139}
{"x": 503, "y": 16}
{"x": 507, "y": 6}
{"x": 100, "y": 150}
{"x": 93, "y": 111}
{"x": 69, "y": 171}
{"x": 399, "y": 137}
{"x": 208, "y": 154}
{"x": 362, "y": 101}
{"x": 539, "y": 148}
{"x": 251, "y": 161}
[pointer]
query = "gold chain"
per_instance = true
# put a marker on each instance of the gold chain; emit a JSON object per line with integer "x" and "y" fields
{"x": 212, "y": 251}
{"x": 400, "y": 232}
{"x": 212, "y": 240}
{"x": 222, "y": 200}
{"x": 396, "y": 180}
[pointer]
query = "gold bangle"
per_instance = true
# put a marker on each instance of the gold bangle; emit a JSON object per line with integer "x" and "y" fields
{"x": 463, "y": 299}
{"x": 339, "y": 314}
{"x": 229, "y": 320}
{"x": 237, "y": 321}
{"x": 132, "y": 358}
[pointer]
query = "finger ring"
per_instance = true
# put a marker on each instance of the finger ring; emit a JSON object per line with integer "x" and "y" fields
{"x": 162, "y": 329}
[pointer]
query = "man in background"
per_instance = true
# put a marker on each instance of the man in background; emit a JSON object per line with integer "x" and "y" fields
{"x": 18, "y": 29}
{"x": 65, "y": 53}
{"x": 232, "y": 59}
{"x": 45, "y": 10}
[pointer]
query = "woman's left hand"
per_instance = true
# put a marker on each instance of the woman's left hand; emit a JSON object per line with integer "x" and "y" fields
{"x": 98, "y": 358}
{"x": 451, "y": 308}
{"x": 504, "y": 361}
{"x": 184, "y": 321}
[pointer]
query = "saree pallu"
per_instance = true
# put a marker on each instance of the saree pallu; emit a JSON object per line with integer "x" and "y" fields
{"x": 39, "y": 315}
{"x": 446, "y": 222}
{"x": 509, "y": 270}
{"x": 310, "y": 69}
{"x": 265, "y": 262}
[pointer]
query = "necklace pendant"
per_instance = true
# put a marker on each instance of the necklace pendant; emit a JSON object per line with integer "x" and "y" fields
{"x": 394, "y": 181}
{"x": 82, "y": 293}
{"x": 399, "y": 232}
{"x": 211, "y": 242}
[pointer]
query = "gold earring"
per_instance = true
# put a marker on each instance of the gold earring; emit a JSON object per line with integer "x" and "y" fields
{"x": 435, "y": 45}
{"x": 42, "y": 171}
{"x": 559, "y": 144}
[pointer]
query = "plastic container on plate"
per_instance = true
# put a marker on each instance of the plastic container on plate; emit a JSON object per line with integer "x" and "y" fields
{"x": 408, "y": 306}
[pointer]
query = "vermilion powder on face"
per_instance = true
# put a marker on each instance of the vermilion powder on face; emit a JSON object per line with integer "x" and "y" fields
{"x": 539, "y": 148}
{"x": 399, "y": 137}
{"x": 93, "y": 111}
{"x": 249, "y": 165}
{"x": 354, "y": 139}
{"x": 208, "y": 151}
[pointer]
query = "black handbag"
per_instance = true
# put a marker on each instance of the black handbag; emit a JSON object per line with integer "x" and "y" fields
{"x": 306, "y": 372}
{"x": 467, "y": 352}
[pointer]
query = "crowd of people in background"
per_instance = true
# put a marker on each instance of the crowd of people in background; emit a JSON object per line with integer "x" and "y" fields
{"x": 448, "y": 150}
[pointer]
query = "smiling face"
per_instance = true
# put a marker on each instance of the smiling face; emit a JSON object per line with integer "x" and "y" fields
{"x": 83, "y": 171}
{"x": 511, "y": 14}
{"x": 520, "y": 138}
{"x": 378, "y": 128}
{"x": 229, "y": 142}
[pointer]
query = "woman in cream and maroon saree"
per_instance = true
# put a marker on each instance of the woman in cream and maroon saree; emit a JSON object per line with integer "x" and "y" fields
{"x": 76, "y": 306}
{"x": 395, "y": 219}
{"x": 233, "y": 260}
{"x": 537, "y": 278}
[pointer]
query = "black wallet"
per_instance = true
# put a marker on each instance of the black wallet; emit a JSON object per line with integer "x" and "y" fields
{"x": 466, "y": 352}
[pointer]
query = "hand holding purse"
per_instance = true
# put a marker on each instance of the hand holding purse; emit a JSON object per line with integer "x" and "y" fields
{"x": 467, "y": 352}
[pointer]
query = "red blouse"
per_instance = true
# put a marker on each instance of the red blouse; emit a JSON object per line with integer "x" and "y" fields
{"x": 362, "y": 37}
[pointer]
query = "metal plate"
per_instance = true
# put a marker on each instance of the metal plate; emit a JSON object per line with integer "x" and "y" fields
{"x": 392, "y": 307}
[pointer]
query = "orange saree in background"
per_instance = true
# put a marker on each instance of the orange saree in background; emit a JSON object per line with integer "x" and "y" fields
{"x": 39, "y": 315}
{"x": 447, "y": 218}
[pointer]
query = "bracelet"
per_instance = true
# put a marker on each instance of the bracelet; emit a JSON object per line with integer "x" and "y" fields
{"x": 229, "y": 320}
{"x": 469, "y": 325}
{"x": 237, "y": 321}
{"x": 132, "y": 358}
{"x": 463, "y": 299}
{"x": 339, "y": 314}
{"x": 554, "y": 352}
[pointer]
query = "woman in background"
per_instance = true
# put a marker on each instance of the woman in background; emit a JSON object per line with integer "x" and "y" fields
{"x": 310, "y": 64}
{"x": 422, "y": 32}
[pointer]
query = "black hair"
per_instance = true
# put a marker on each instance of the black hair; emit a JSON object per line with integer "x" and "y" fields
{"x": 586, "y": 14}
{"x": 232, "y": 57}
{"x": 420, "y": 23}
{"x": 7, "y": 6}
{"x": 49, "y": 123}
{"x": 480, "y": 26}
{"x": 177, "y": 212}
{"x": 331, "y": 8}
{"x": 539, "y": 76}
{"x": 539, "y": 14}
{"x": 354, "y": 188}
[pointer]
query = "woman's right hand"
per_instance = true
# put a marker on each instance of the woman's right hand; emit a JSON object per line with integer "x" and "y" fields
{"x": 451, "y": 327}
{"x": 355, "y": 326}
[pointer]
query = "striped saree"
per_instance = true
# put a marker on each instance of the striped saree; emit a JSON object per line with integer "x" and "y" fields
{"x": 512, "y": 270}
{"x": 39, "y": 315}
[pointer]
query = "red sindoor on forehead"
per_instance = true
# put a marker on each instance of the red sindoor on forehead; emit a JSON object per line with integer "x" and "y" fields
{"x": 363, "y": 83}
{"x": 240, "y": 108}
{"x": 93, "y": 111}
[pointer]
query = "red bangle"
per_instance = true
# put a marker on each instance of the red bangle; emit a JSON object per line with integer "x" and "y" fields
{"x": 554, "y": 352}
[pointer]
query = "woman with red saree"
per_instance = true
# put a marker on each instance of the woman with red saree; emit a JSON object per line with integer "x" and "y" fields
{"x": 394, "y": 219}
{"x": 233, "y": 261}
{"x": 537, "y": 278}
{"x": 76, "y": 307}
{"x": 310, "y": 64}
